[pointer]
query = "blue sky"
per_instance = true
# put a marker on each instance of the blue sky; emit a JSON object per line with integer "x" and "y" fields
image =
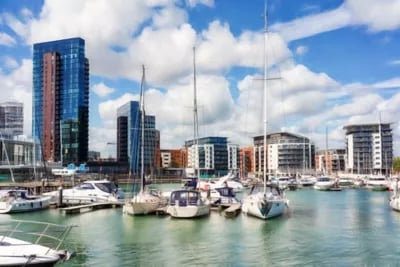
{"x": 338, "y": 63}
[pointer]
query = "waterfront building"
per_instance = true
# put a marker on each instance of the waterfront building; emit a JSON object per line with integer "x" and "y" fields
{"x": 369, "y": 148}
{"x": 330, "y": 161}
{"x": 60, "y": 121}
{"x": 213, "y": 156}
{"x": 287, "y": 153}
{"x": 11, "y": 119}
{"x": 173, "y": 158}
{"x": 246, "y": 161}
{"x": 16, "y": 152}
{"x": 129, "y": 137}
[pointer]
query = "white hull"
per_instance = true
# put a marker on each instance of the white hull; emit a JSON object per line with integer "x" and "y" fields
{"x": 18, "y": 253}
{"x": 257, "y": 205}
{"x": 142, "y": 204}
{"x": 13, "y": 204}
{"x": 323, "y": 186}
{"x": 188, "y": 211}
{"x": 88, "y": 192}
{"x": 42, "y": 249}
{"x": 395, "y": 203}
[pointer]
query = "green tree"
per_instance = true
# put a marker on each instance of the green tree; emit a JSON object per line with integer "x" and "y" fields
{"x": 396, "y": 164}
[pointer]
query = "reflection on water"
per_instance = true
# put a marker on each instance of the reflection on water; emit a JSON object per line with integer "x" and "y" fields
{"x": 347, "y": 228}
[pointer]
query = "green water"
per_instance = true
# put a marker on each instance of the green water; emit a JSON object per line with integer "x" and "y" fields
{"x": 347, "y": 228}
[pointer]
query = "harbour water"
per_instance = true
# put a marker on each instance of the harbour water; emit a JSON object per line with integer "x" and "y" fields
{"x": 346, "y": 228}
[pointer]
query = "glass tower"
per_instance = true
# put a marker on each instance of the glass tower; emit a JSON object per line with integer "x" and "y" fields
{"x": 129, "y": 138}
{"x": 60, "y": 105}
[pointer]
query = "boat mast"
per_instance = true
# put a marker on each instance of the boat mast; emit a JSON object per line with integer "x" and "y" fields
{"x": 265, "y": 101}
{"x": 142, "y": 117}
{"x": 195, "y": 121}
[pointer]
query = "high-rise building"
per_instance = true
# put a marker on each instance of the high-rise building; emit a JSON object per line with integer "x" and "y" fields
{"x": 11, "y": 119}
{"x": 61, "y": 100}
{"x": 286, "y": 153}
{"x": 129, "y": 138}
{"x": 369, "y": 148}
{"x": 213, "y": 156}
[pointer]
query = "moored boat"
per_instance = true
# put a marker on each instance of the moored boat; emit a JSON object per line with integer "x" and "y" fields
{"x": 92, "y": 191}
{"x": 23, "y": 244}
{"x": 324, "y": 183}
{"x": 376, "y": 183}
{"x": 18, "y": 200}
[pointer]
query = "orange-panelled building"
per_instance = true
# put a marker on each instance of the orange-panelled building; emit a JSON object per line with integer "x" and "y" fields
{"x": 246, "y": 161}
{"x": 173, "y": 158}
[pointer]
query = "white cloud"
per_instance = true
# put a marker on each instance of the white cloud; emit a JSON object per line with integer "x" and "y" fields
{"x": 375, "y": 15}
{"x": 193, "y": 3}
{"x": 6, "y": 39}
{"x": 102, "y": 90}
{"x": 301, "y": 50}
{"x": 10, "y": 62}
{"x": 394, "y": 62}
{"x": 314, "y": 24}
{"x": 380, "y": 15}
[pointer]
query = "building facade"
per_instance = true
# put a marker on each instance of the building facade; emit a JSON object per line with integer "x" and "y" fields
{"x": 129, "y": 138}
{"x": 246, "y": 161}
{"x": 61, "y": 100}
{"x": 330, "y": 161}
{"x": 369, "y": 148}
{"x": 213, "y": 156}
{"x": 173, "y": 158}
{"x": 11, "y": 119}
{"x": 286, "y": 153}
{"x": 16, "y": 152}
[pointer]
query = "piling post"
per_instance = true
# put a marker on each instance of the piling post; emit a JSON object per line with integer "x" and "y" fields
{"x": 60, "y": 196}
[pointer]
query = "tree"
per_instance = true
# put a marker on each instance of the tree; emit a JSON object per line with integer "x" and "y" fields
{"x": 396, "y": 165}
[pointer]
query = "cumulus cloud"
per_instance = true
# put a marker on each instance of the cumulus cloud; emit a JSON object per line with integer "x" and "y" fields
{"x": 102, "y": 90}
{"x": 9, "y": 62}
{"x": 301, "y": 50}
{"x": 375, "y": 15}
{"x": 6, "y": 39}
{"x": 193, "y": 3}
{"x": 160, "y": 37}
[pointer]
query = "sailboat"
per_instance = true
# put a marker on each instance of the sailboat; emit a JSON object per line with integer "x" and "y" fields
{"x": 19, "y": 200}
{"x": 188, "y": 203}
{"x": 145, "y": 201}
{"x": 267, "y": 201}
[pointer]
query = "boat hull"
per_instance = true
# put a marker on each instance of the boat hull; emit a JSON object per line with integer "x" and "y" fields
{"x": 17, "y": 206}
{"x": 188, "y": 211}
{"x": 395, "y": 203}
{"x": 260, "y": 207}
{"x": 142, "y": 204}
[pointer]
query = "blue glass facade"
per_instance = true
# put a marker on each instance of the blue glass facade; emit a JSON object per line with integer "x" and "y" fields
{"x": 71, "y": 103}
{"x": 129, "y": 137}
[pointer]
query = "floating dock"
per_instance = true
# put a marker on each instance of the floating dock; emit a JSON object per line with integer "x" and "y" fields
{"x": 90, "y": 207}
{"x": 233, "y": 210}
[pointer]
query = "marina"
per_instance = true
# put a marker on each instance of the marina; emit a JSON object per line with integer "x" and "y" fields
{"x": 348, "y": 228}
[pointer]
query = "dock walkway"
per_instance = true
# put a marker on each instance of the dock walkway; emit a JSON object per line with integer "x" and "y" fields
{"x": 90, "y": 207}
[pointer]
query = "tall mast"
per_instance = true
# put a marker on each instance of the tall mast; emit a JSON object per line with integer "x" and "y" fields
{"x": 265, "y": 100}
{"x": 195, "y": 118}
{"x": 142, "y": 117}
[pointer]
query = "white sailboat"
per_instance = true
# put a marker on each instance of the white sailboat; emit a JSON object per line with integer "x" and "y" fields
{"x": 188, "y": 203}
{"x": 145, "y": 201}
{"x": 267, "y": 201}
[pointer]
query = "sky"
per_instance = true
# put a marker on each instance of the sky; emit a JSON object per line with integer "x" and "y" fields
{"x": 331, "y": 63}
